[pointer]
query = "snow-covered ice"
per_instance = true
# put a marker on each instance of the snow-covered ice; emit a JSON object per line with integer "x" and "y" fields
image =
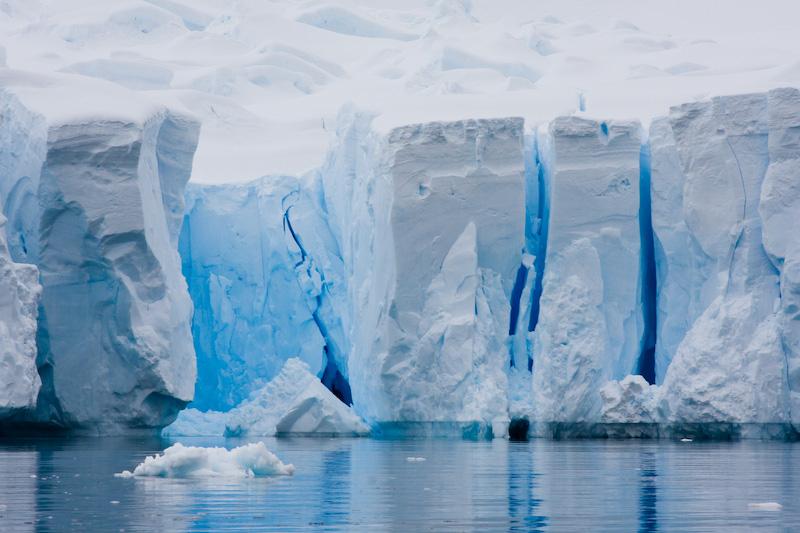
{"x": 179, "y": 461}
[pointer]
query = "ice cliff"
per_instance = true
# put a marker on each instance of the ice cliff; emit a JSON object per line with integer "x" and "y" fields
{"x": 577, "y": 277}
{"x": 94, "y": 199}
{"x": 590, "y": 277}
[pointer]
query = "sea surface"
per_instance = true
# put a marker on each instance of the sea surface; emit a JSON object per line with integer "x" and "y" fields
{"x": 410, "y": 485}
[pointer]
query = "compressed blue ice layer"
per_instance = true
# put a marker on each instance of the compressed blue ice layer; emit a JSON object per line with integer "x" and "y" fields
{"x": 256, "y": 260}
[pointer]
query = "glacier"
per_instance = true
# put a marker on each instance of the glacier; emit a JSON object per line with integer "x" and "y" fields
{"x": 629, "y": 286}
{"x": 555, "y": 228}
{"x": 580, "y": 277}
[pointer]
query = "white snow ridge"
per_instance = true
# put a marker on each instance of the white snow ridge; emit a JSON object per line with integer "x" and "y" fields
{"x": 476, "y": 218}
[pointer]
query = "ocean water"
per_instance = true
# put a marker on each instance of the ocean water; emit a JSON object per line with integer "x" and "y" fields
{"x": 371, "y": 485}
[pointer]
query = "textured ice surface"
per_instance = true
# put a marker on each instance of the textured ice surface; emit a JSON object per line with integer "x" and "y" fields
{"x": 270, "y": 105}
{"x": 96, "y": 203}
{"x": 179, "y": 461}
{"x": 295, "y": 402}
{"x": 779, "y": 210}
{"x": 590, "y": 322}
{"x": 629, "y": 401}
{"x": 430, "y": 218}
{"x": 730, "y": 366}
{"x": 19, "y": 305}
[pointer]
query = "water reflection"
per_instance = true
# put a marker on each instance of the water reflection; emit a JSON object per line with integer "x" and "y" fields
{"x": 522, "y": 504}
{"x": 363, "y": 484}
{"x": 648, "y": 493}
{"x": 18, "y": 470}
{"x": 334, "y": 488}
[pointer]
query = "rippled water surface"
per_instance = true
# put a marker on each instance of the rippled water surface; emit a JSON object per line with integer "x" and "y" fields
{"x": 365, "y": 484}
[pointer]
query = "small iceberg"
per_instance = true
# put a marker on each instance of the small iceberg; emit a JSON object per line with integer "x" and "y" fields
{"x": 179, "y": 461}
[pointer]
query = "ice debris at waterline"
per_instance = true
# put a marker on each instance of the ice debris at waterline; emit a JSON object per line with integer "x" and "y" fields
{"x": 179, "y": 461}
{"x": 295, "y": 402}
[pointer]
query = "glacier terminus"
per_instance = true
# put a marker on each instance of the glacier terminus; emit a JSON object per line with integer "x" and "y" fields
{"x": 549, "y": 262}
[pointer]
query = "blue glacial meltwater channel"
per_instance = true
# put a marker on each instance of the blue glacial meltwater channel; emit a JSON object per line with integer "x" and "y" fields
{"x": 371, "y": 485}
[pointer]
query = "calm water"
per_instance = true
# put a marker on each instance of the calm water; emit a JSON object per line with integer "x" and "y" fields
{"x": 364, "y": 484}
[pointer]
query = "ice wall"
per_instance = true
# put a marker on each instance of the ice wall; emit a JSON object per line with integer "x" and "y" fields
{"x": 430, "y": 220}
{"x": 257, "y": 261}
{"x": 590, "y": 322}
{"x": 21, "y": 153}
{"x": 729, "y": 366}
{"x": 780, "y": 210}
{"x": 95, "y": 198}
{"x": 416, "y": 261}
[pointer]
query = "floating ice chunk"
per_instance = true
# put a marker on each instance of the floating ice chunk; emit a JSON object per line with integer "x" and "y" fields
{"x": 179, "y": 461}
{"x": 764, "y": 506}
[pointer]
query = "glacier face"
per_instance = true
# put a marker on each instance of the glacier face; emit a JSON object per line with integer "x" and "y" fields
{"x": 434, "y": 270}
{"x": 590, "y": 325}
{"x": 437, "y": 218}
{"x": 443, "y": 278}
{"x": 460, "y": 275}
{"x": 96, "y": 205}
{"x": 778, "y": 209}
{"x": 733, "y": 346}
{"x": 250, "y": 310}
